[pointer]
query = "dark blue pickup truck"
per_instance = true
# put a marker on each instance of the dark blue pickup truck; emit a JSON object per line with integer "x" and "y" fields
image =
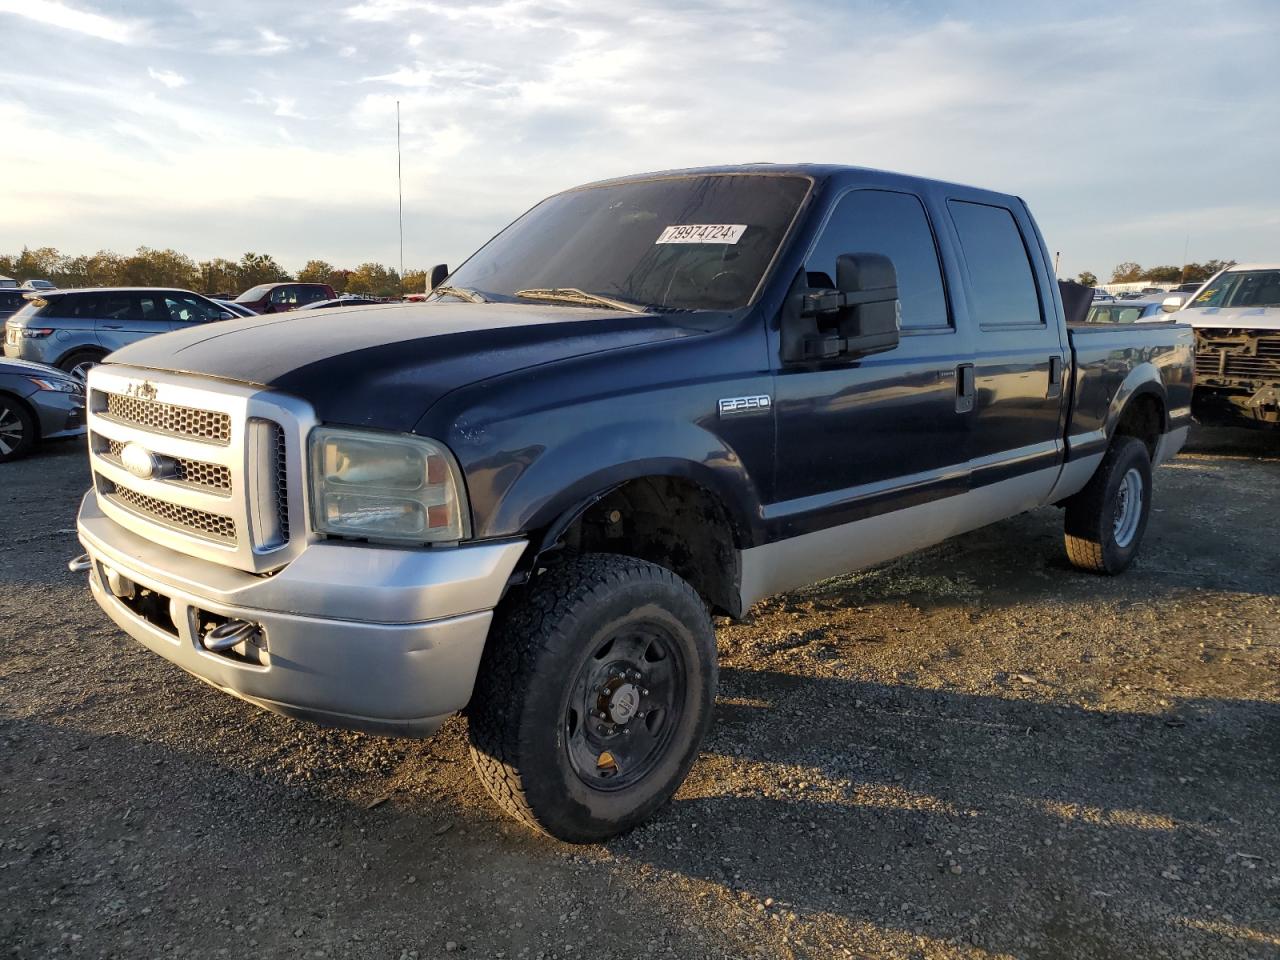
{"x": 646, "y": 401}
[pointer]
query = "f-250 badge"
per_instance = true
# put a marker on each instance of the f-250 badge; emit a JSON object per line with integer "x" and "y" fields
{"x": 738, "y": 406}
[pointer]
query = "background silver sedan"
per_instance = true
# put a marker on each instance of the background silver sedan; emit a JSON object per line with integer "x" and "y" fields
{"x": 37, "y": 402}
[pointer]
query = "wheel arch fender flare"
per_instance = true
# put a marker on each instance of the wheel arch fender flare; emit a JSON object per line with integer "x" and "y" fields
{"x": 1142, "y": 381}
{"x": 564, "y": 481}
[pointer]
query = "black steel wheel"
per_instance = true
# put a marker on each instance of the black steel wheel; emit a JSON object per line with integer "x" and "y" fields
{"x": 625, "y": 706}
{"x": 593, "y": 696}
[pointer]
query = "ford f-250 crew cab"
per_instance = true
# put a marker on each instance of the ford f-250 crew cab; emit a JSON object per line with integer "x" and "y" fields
{"x": 646, "y": 401}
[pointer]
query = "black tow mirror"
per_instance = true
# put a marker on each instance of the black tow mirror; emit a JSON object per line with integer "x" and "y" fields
{"x": 438, "y": 275}
{"x": 860, "y": 316}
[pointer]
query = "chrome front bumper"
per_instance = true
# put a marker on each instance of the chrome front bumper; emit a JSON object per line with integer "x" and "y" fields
{"x": 369, "y": 638}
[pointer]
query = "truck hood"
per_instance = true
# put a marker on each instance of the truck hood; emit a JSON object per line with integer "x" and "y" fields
{"x": 1235, "y": 318}
{"x": 384, "y": 366}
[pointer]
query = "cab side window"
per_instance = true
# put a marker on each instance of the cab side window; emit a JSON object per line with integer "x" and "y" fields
{"x": 285, "y": 296}
{"x": 896, "y": 226}
{"x": 1001, "y": 285}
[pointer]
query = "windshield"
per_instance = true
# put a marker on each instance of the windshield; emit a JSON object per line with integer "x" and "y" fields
{"x": 1242, "y": 288}
{"x": 254, "y": 293}
{"x": 693, "y": 243}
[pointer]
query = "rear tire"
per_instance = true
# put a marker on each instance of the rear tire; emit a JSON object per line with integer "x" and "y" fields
{"x": 18, "y": 429}
{"x": 593, "y": 697}
{"x": 79, "y": 363}
{"x": 1106, "y": 520}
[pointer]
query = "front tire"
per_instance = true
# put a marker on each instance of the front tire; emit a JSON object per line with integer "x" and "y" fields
{"x": 593, "y": 697}
{"x": 1105, "y": 521}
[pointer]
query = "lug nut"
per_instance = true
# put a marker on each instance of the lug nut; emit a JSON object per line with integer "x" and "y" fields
{"x": 626, "y": 730}
{"x": 644, "y": 692}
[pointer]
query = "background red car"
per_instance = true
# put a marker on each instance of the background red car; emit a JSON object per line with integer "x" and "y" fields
{"x": 277, "y": 297}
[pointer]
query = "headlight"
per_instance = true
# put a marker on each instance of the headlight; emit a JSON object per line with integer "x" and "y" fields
{"x": 61, "y": 386}
{"x": 385, "y": 487}
{"x": 35, "y": 333}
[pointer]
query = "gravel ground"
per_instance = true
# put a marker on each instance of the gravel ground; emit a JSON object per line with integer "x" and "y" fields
{"x": 973, "y": 752}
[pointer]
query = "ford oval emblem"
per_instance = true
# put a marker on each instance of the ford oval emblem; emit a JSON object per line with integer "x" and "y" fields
{"x": 138, "y": 460}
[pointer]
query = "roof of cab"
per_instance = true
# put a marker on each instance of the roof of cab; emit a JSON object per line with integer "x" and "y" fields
{"x": 815, "y": 171}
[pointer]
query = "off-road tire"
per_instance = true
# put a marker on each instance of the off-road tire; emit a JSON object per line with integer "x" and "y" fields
{"x": 544, "y": 638}
{"x": 19, "y": 426}
{"x": 1090, "y": 521}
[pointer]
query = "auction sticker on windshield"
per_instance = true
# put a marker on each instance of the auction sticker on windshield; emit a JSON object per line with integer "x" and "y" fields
{"x": 703, "y": 233}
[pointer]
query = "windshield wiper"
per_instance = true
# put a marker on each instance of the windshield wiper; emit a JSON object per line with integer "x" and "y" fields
{"x": 574, "y": 295}
{"x": 462, "y": 293}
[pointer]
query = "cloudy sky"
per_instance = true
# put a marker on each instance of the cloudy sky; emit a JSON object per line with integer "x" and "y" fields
{"x": 217, "y": 128}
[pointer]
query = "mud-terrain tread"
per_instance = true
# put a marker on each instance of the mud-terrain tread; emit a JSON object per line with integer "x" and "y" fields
{"x": 1086, "y": 522}
{"x": 508, "y": 669}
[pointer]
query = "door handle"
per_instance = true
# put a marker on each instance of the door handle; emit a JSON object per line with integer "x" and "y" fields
{"x": 1056, "y": 367}
{"x": 965, "y": 387}
{"x": 113, "y": 326}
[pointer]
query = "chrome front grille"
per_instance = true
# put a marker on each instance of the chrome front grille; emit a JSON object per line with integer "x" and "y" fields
{"x": 280, "y": 478}
{"x": 214, "y": 526}
{"x": 171, "y": 418}
{"x": 220, "y": 475}
{"x": 195, "y": 473}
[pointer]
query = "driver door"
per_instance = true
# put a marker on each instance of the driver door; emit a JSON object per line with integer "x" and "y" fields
{"x": 860, "y": 437}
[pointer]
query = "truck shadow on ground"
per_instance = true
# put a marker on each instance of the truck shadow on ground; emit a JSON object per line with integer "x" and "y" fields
{"x": 1016, "y": 826}
{"x": 1035, "y": 828}
{"x": 1258, "y": 444}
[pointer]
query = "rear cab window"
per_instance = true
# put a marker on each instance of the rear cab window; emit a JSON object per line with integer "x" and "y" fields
{"x": 1002, "y": 284}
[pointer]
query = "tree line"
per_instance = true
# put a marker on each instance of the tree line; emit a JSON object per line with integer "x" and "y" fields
{"x": 169, "y": 268}
{"x": 1130, "y": 272}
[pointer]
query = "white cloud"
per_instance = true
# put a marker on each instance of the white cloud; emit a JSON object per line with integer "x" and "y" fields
{"x": 380, "y": 11}
{"x": 268, "y": 43}
{"x": 54, "y": 14}
{"x": 169, "y": 78}
{"x": 505, "y": 101}
{"x": 279, "y": 106}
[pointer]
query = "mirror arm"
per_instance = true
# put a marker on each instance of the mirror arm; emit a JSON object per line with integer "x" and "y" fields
{"x": 833, "y": 301}
{"x": 823, "y": 346}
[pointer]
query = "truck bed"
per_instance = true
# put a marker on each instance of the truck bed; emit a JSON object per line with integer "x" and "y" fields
{"x": 1111, "y": 360}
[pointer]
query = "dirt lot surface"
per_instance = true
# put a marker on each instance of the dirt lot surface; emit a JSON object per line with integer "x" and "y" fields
{"x": 975, "y": 752}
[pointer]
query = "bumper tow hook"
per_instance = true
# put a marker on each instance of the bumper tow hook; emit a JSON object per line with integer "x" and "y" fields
{"x": 230, "y": 634}
{"x": 80, "y": 564}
